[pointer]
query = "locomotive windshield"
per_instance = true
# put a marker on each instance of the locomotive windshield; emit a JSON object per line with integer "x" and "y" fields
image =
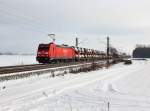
{"x": 43, "y": 47}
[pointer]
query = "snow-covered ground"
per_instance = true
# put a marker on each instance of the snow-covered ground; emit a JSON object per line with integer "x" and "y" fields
{"x": 121, "y": 88}
{"x": 11, "y": 60}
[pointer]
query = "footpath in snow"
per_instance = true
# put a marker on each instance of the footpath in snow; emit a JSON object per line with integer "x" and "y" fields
{"x": 122, "y": 88}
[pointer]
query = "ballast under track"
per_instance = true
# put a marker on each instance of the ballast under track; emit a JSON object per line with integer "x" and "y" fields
{"x": 14, "y": 72}
{"x": 31, "y": 67}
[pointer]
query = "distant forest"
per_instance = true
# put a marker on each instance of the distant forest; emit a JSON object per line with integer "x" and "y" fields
{"x": 141, "y": 51}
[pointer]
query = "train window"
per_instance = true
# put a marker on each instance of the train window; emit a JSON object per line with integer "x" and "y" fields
{"x": 43, "y": 47}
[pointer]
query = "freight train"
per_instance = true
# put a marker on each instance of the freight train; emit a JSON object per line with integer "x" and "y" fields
{"x": 52, "y": 52}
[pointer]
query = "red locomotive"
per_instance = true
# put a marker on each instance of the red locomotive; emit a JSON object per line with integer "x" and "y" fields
{"x": 63, "y": 53}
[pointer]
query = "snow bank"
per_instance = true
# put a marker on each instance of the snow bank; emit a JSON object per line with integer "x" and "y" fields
{"x": 125, "y": 88}
{"x": 137, "y": 82}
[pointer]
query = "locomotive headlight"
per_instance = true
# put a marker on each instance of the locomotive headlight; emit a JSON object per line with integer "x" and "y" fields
{"x": 46, "y": 53}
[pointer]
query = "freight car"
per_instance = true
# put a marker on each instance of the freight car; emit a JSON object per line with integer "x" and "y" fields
{"x": 63, "y": 53}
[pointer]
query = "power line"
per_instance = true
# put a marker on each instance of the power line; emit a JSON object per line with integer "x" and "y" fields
{"x": 23, "y": 18}
{"x": 21, "y": 23}
{"x": 21, "y": 14}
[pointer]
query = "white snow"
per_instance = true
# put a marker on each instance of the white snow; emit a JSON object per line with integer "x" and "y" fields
{"x": 12, "y": 60}
{"x": 125, "y": 88}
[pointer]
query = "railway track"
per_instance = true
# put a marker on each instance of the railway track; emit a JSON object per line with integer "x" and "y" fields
{"x": 31, "y": 67}
{"x": 21, "y": 68}
{"x": 13, "y": 72}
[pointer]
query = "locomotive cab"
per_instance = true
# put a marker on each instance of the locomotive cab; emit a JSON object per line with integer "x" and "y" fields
{"x": 54, "y": 53}
{"x": 43, "y": 53}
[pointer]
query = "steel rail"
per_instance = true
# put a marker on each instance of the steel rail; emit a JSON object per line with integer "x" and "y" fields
{"x": 22, "y": 68}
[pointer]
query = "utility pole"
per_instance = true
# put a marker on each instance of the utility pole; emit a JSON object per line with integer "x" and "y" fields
{"x": 108, "y": 46}
{"x": 108, "y": 106}
{"x": 77, "y": 42}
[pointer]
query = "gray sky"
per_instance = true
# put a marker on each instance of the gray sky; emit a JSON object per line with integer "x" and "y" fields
{"x": 25, "y": 23}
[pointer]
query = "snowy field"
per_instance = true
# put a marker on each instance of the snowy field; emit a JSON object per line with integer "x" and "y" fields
{"x": 12, "y": 60}
{"x": 119, "y": 88}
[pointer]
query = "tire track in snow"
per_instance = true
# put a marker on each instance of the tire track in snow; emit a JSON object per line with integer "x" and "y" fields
{"x": 62, "y": 87}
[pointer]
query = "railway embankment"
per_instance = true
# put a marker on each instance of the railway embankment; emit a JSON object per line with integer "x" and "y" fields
{"x": 18, "y": 72}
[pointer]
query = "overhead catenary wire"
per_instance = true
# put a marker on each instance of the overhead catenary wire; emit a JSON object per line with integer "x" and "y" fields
{"x": 21, "y": 25}
{"x": 22, "y": 18}
{"x": 21, "y": 14}
{"x": 18, "y": 21}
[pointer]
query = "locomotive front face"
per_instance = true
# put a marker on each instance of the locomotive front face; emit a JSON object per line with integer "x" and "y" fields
{"x": 43, "y": 53}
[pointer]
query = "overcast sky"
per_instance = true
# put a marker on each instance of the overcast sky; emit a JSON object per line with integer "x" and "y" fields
{"x": 25, "y": 23}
